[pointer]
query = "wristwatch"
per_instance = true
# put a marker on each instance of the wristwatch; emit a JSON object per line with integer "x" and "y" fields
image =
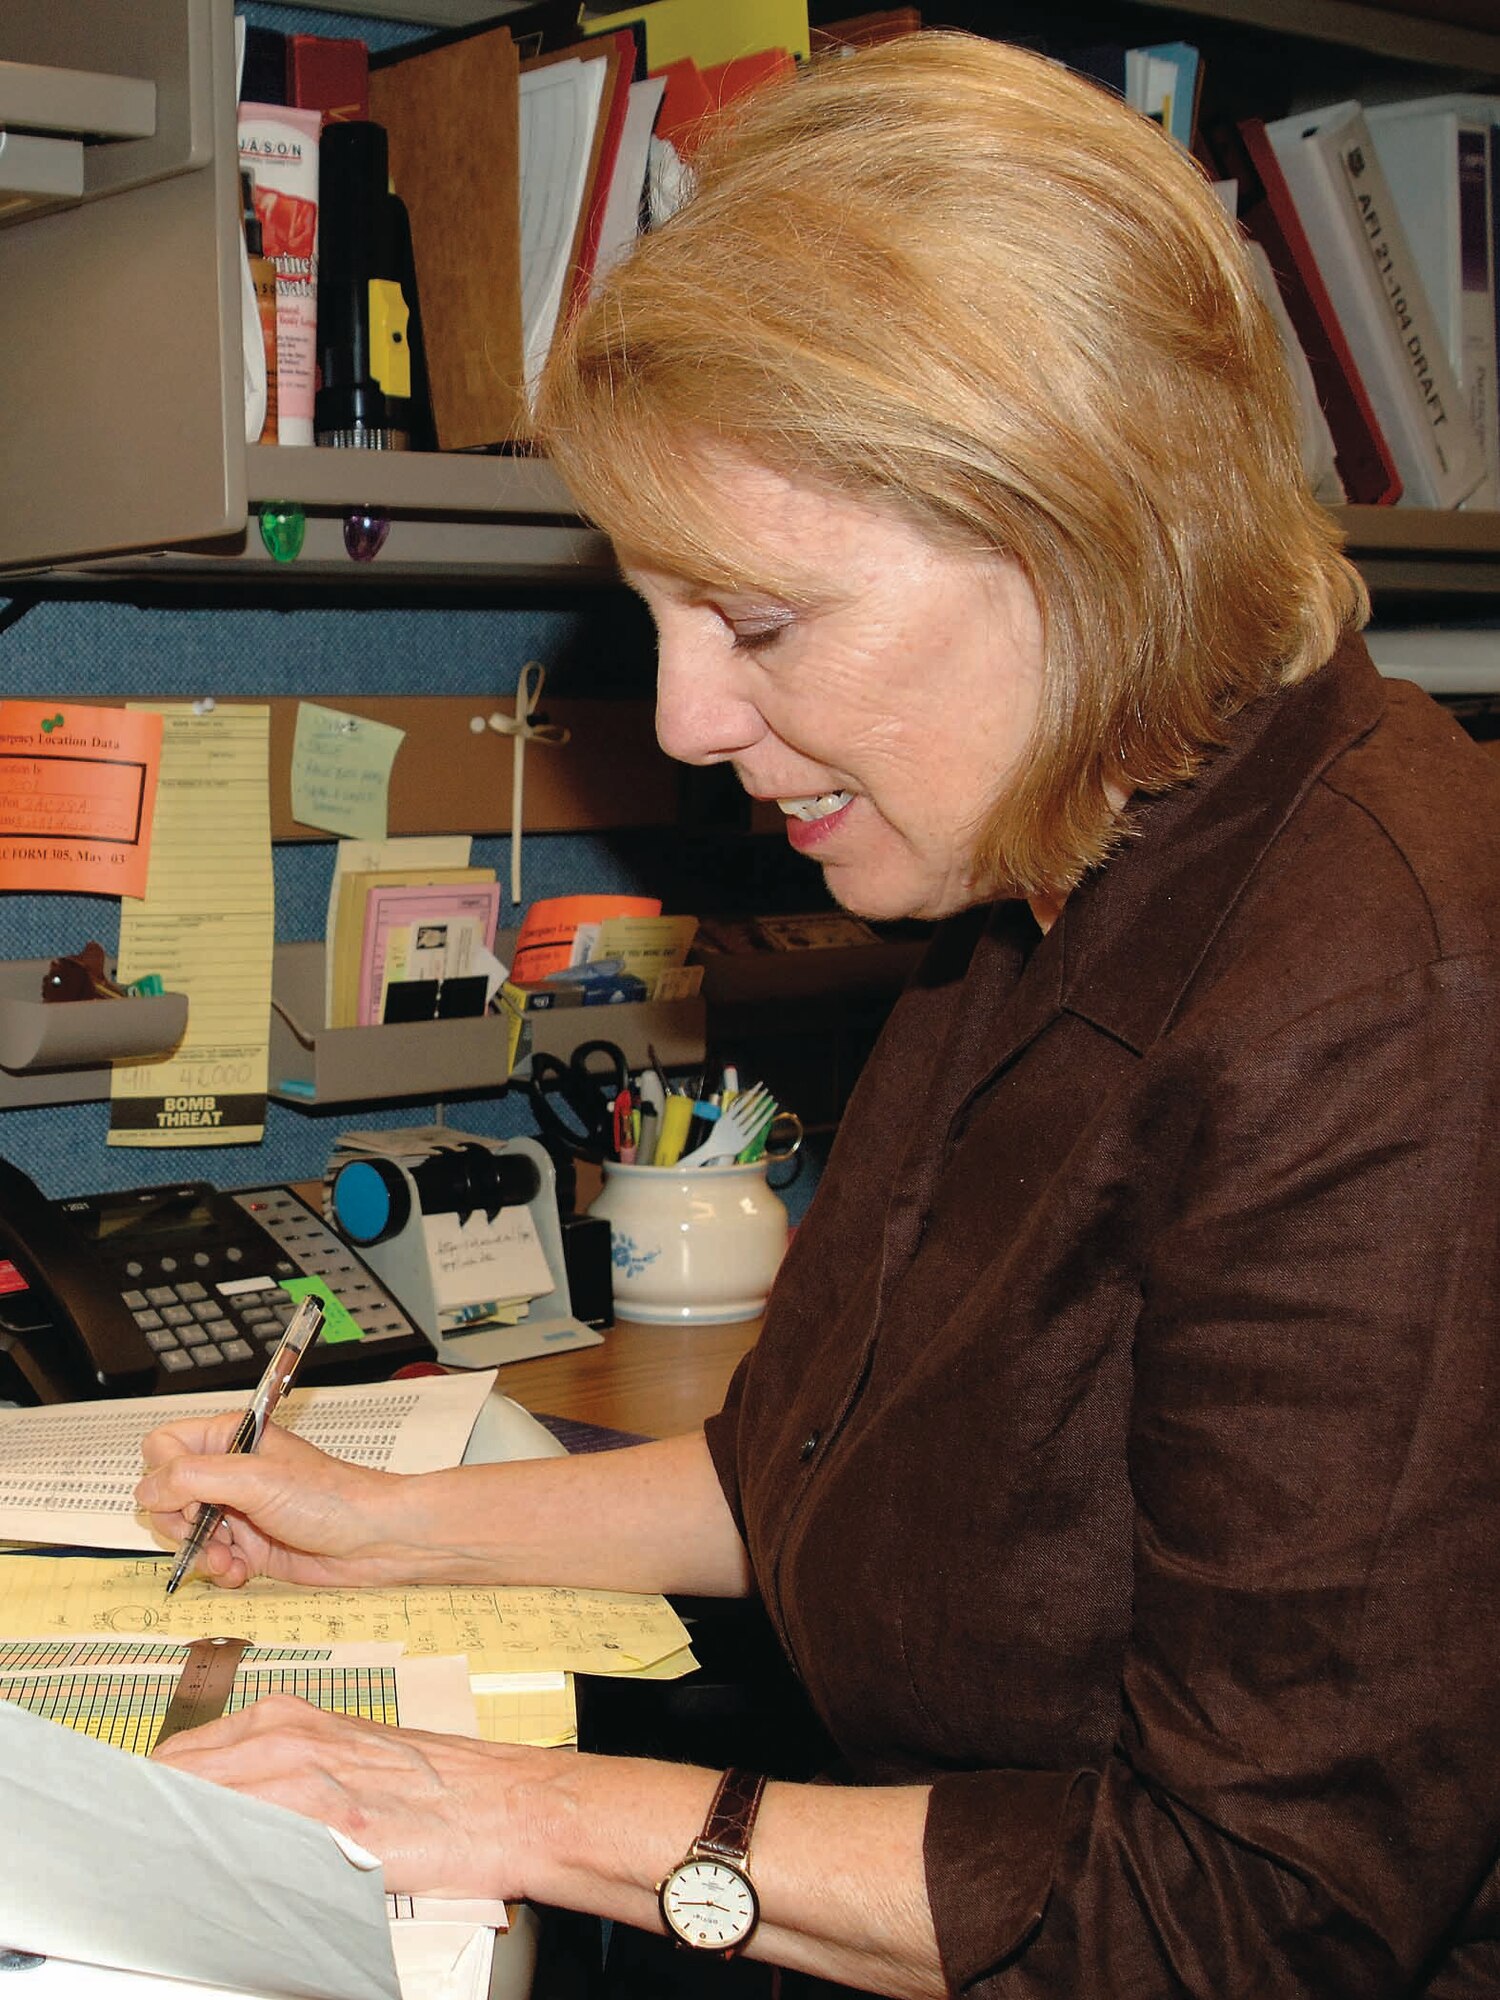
{"x": 708, "y": 1901}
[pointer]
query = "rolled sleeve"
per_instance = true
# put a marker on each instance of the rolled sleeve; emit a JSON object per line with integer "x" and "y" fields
{"x": 722, "y": 1431}
{"x": 991, "y": 1850}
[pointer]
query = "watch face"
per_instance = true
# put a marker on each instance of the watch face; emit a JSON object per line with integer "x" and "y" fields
{"x": 709, "y": 1905}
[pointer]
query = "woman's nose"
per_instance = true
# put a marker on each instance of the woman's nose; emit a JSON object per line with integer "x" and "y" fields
{"x": 700, "y": 717}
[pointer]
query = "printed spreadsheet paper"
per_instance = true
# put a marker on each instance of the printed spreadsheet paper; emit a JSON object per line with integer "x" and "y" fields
{"x": 206, "y": 926}
{"x": 500, "y": 1629}
{"x": 115, "y": 1700}
{"x": 68, "y": 1470}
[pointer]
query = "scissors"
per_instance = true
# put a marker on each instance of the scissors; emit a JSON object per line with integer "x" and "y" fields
{"x": 573, "y": 1101}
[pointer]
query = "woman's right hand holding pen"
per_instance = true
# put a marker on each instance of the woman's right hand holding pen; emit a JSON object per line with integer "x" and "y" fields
{"x": 292, "y": 1512}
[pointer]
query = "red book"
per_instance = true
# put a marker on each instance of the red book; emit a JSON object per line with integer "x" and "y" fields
{"x": 685, "y": 104}
{"x": 328, "y": 73}
{"x": 727, "y": 81}
{"x": 1364, "y": 460}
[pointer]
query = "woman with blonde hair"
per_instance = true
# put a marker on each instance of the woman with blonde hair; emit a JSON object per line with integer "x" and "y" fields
{"x": 1118, "y": 1463}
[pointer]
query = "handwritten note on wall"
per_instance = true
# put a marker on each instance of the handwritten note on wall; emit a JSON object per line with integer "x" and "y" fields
{"x": 341, "y": 771}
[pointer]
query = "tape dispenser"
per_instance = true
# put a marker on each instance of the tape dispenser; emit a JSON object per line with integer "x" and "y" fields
{"x": 459, "y": 1227}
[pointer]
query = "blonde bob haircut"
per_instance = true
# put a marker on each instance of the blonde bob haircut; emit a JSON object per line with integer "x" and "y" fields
{"x": 947, "y": 277}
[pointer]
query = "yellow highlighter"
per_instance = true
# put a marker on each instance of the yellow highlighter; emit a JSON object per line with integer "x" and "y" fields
{"x": 676, "y": 1117}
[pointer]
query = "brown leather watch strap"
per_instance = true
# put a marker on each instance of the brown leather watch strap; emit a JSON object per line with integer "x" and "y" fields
{"x": 731, "y": 1817}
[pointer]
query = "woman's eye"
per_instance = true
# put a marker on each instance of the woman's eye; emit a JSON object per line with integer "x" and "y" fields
{"x": 754, "y": 635}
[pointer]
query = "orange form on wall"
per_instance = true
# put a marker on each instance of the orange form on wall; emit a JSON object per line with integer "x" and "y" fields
{"x": 77, "y": 793}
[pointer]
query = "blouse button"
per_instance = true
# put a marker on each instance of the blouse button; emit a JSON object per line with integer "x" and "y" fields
{"x": 809, "y": 1445}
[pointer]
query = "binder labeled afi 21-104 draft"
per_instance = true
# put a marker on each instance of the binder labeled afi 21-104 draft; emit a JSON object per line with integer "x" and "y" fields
{"x": 1438, "y": 154}
{"x": 1350, "y": 218}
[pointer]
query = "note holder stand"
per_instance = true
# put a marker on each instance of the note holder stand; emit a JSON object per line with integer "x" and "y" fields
{"x": 380, "y": 1201}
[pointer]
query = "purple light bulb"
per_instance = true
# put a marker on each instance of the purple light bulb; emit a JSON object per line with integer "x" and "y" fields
{"x": 365, "y": 530}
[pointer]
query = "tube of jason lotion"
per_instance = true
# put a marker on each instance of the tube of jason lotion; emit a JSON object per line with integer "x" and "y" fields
{"x": 279, "y": 146}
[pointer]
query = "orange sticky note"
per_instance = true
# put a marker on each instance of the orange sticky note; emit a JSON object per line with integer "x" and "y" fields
{"x": 77, "y": 792}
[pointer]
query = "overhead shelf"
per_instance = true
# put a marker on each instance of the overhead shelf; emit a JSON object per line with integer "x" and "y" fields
{"x": 1407, "y": 36}
{"x": 1420, "y": 551}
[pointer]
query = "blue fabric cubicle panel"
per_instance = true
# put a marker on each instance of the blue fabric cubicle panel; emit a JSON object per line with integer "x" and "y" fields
{"x": 599, "y": 646}
{"x": 119, "y": 650}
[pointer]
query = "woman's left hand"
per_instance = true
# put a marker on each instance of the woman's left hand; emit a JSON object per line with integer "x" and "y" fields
{"x": 442, "y": 1813}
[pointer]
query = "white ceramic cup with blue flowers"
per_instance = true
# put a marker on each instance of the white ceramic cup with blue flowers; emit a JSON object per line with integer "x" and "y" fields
{"x": 698, "y": 1248}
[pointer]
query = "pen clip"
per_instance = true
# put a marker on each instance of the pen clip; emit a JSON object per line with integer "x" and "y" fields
{"x": 302, "y": 1329}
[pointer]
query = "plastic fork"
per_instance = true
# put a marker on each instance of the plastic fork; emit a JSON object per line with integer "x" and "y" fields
{"x": 739, "y": 1125}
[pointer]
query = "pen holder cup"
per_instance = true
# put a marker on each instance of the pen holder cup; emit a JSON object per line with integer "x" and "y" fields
{"x": 698, "y": 1248}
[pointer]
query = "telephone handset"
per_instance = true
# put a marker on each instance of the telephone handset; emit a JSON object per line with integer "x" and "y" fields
{"x": 48, "y": 1291}
{"x": 175, "y": 1288}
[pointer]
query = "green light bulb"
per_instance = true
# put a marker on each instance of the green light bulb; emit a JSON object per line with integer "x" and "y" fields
{"x": 283, "y": 528}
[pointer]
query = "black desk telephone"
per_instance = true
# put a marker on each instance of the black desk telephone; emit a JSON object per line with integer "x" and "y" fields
{"x": 172, "y": 1288}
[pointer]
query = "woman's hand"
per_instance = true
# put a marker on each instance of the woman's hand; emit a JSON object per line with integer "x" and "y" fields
{"x": 441, "y": 1813}
{"x": 839, "y": 1868}
{"x": 292, "y": 1512}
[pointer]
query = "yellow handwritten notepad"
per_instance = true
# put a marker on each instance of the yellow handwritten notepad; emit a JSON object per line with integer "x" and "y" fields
{"x": 501, "y": 1629}
{"x": 206, "y": 924}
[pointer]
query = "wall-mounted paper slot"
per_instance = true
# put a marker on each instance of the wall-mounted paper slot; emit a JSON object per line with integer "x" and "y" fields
{"x": 59, "y": 1052}
{"x": 432, "y": 1059}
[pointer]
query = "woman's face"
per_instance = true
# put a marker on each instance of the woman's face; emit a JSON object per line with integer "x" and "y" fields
{"x": 884, "y": 712}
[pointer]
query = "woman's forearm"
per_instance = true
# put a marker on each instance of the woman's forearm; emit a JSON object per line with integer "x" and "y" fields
{"x": 651, "y": 1517}
{"x": 838, "y": 1870}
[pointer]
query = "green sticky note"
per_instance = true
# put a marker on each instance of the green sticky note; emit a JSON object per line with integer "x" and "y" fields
{"x": 337, "y": 1323}
{"x": 341, "y": 771}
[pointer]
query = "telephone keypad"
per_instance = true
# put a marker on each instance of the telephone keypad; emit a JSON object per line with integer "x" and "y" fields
{"x": 220, "y": 1309}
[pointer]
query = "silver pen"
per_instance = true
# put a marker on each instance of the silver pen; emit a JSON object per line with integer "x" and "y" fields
{"x": 302, "y": 1330}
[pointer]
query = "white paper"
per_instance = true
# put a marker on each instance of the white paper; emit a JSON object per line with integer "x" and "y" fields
{"x": 622, "y": 205}
{"x": 117, "y": 1861}
{"x": 479, "y": 1261}
{"x": 559, "y": 110}
{"x": 68, "y": 1471}
{"x": 443, "y": 1961}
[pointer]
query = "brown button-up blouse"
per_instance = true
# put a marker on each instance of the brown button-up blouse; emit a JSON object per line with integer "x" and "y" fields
{"x": 1121, "y": 1455}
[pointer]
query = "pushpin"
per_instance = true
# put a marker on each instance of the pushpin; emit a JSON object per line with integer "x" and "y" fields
{"x": 283, "y": 527}
{"x": 365, "y": 530}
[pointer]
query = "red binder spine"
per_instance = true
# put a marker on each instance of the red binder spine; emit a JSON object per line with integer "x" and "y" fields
{"x": 1365, "y": 463}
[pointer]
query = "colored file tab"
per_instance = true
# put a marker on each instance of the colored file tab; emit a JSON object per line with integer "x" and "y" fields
{"x": 77, "y": 797}
{"x": 711, "y": 31}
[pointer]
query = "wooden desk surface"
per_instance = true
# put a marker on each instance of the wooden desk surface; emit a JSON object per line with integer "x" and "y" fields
{"x": 659, "y": 1380}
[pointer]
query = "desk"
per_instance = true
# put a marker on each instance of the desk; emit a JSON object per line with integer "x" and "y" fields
{"x": 657, "y": 1379}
